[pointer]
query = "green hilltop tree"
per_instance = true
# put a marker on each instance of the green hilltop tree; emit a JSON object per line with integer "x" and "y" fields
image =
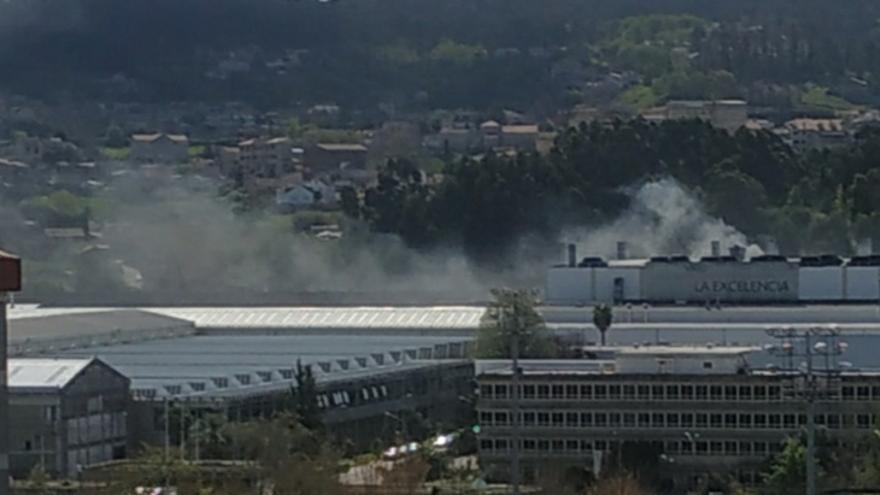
{"x": 602, "y": 319}
{"x": 511, "y": 315}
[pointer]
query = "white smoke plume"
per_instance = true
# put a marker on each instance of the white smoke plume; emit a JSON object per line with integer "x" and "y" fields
{"x": 663, "y": 219}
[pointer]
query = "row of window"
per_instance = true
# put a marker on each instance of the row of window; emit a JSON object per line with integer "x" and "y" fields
{"x": 575, "y": 446}
{"x": 575, "y": 419}
{"x": 670, "y": 392}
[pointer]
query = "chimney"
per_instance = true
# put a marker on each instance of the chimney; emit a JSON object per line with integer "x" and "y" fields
{"x": 572, "y": 255}
{"x": 738, "y": 252}
{"x": 621, "y": 250}
{"x": 716, "y": 249}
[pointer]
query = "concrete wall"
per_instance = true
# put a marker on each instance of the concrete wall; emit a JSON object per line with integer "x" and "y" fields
{"x": 862, "y": 283}
{"x": 820, "y": 283}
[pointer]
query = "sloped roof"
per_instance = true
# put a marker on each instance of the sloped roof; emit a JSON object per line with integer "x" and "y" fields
{"x": 341, "y": 147}
{"x": 48, "y": 374}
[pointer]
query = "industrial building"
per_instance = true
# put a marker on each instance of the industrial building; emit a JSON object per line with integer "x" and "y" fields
{"x": 714, "y": 279}
{"x": 66, "y": 413}
{"x": 699, "y": 409}
{"x": 241, "y": 361}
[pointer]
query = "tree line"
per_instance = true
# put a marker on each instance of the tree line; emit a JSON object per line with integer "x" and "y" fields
{"x": 822, "y": 201}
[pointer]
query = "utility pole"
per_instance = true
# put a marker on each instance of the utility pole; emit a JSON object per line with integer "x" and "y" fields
{"x": 815, "y": 342}
{"x": 10, "y": 281}
{"x": 514, "y": 359}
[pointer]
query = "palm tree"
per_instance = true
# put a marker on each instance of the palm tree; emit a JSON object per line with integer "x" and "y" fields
{"x": 602, "y": 318}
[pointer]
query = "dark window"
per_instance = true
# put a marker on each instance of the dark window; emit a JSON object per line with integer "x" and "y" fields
{"x": 543, "y": 391}
{"x": 614, "y": 392}
{"x": 644, "y": 420}
{"x": 687, "y": 392}
{"x": 716, "y": 447}
{"x": 716, "y": 392}
{"x": 730, "y": 392}
{"x": 528, "y": 444}
{"x": 529, "y": 419}
{"x": 789, "y": 421}
{"x": 702, "y": 420}
{"x": 687, "y": 420}
{"x": 614, "y": 419}
{"x": 528, "y": 392}
{"x": 707, "y": 365}
{"x": 716, "y": 420}
{"x": 745, "y": 448}
{"x": 834, "y": 421}
{"x": 600, "y": 391}
{"x": 863, "y": 421}
{"x": 544, "y": 445}
{"x": 657, "y": 420}
{"x": 586, "y": 445}
{"x": 543, "y": 419}
{"x": 775, "y": 421}
{"x": 586, "y": 419}
{"x": 629, "y": 420}
{"x": 486, "y": 444}
{"x": 730, "y": 420}
{"x": 571, "y": 445}
{"x": 558, "y": 420}
{"x": 657, "y": 392}
{"x": 760, "y": 392}
{"x": 601, "y": 419}
{"x": 672, "y": 420}
{"x": 848, "y": 392}
{"x": 774, "y": 392}
{"x": 730, "y": 448}
{"x": 558, "y": 391}
{"x": 672, "y": 392}
{"x": 745, "y": 392}
{"x": 501, "y": 444}
{"x": 501, "y": 419}
{"x": 702, "y": 392}
{"x": 486, "y": 391}
{"x": 644, "y": 392}
{"x": 485, "y": 418}
{"x": 571, "y": 392}
{"x": 571, "y": 420}
{"x": 863, "y": 392}
{"x": 759, "y": 448}
{"x": 558, "y": 445}
{"x": 760, "y": 420}
{"x": 500, "y": 391}
{"x": 629, "y": 392}
{"x": 586, "y": 391}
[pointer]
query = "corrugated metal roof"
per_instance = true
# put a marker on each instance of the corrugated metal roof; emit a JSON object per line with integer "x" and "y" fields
{"x": 78, "y": 327}
{"x": 47, "y": 374}
{"x": 440, "y": 317}
{"x": 222, "y": 365}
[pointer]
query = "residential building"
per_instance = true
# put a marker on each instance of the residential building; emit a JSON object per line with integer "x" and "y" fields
{"x": 266, "y": 158}
{"x": 159, "y": 148}
{"x": 68, "y": 414}
{"x": 520, "y": 136}
{"x": 325, "y": 157}
{"x": 729, "y": 115}
{"x": 699, "y": 409}
{"x": 805, "y": 134}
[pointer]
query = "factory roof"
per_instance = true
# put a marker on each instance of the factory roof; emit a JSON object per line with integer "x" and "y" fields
{"x": 44, "y": 374}
{"x": 217, "y": 366}
{"x": 440, "y": 317}
{"x": 31, "y": 328}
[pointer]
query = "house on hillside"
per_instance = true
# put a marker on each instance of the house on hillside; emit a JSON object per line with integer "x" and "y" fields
{"x": 805, "y": 134}
{"x": 325, "y": 157}
{"x": 160, "y": 148}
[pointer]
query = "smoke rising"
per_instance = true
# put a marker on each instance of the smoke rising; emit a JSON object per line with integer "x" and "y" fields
{"x": 663, "y": 219}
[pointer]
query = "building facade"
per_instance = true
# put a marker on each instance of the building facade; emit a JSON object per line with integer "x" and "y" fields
{"x": 700, "y": 410}
{"x": 160, "y": 148}
{"x": 68, "y": 414}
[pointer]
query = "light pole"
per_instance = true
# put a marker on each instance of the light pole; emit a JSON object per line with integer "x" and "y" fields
{"x": 400, "y": 420}
{"x": 822, "y": 342}
{"x": 10, "y": 281}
